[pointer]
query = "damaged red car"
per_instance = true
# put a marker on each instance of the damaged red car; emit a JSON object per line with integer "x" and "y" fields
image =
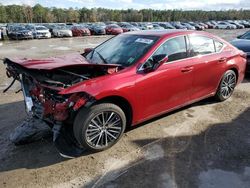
{"x": 126, "y": 80}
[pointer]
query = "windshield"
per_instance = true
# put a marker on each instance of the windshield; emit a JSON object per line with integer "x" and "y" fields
{"x": 62, "y": 28}
{"x": 114, "y": 26}
{"x": 19, "y": 28}
{"x": 246, "y": 36}
{"x": 124, "y": 49}
{"x": 41, "y": 28}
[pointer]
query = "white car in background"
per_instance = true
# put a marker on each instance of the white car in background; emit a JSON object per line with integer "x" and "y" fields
{"x": 225, "y": 25}
{"x": 41, "y": 32}
{"x": 62, "y": 31}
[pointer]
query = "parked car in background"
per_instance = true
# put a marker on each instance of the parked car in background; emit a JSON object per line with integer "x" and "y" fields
{"x": 178, "y": 25}
{"x": 134, "y": 24}
{"x": 210, "y": 25}
{"x": 197, "y": 26}
{"x": 50, "y": 27}
{"x": 80, "y": 30}
{"x": 62, "y": 31}
{"x": 166, "y": 25}
{"x": 143, "y": 26}
{"x": 245, "y": 23}
{"x": 157, "y": 27}
{"x": 126, "y": 80}
{"x": 97, "y": 29}
{"x": 188, "y": 26}
{"x": 113, "y": 29}
{"x": 239, "y": 26}
{"x": 225, "y": 25}
{"x": 126, "y": 27}
{"x": 243, "y": 43}
{"x": 19, "y": 33}
{"x": 41, "y": 32}
{"x": 203, "y": 24}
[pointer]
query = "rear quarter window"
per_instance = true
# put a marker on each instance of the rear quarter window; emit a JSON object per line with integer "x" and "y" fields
{"x": 218, "y": 45}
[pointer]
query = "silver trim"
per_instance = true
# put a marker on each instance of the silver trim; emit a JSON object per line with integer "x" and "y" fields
{"x": 103, "y": 129}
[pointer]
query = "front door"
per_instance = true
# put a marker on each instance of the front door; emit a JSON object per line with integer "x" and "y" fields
{"x": 170, "y": 85}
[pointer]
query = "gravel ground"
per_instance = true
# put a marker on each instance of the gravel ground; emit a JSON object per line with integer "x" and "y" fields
{"x": 206, "y": 144}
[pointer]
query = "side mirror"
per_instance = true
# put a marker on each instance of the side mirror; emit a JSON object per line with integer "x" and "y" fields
{"x": 238, "y": 37}
{"x": 87, "y": 50}
{"x": 155, "y": 62}
{"x": 160, "y": 59}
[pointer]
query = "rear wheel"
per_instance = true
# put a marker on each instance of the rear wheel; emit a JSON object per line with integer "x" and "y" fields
{"x": 99, "y": 127}
{"x": 227, "y": 85}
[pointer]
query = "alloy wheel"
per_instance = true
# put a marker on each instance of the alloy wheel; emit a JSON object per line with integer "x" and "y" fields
{"x": 103, "y": 129}
{"x": 228, "y": 85}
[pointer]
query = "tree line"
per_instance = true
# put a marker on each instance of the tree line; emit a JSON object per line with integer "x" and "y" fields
{"x": 40, "y": 14}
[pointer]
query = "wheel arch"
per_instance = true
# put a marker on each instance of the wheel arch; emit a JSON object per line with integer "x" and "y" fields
{"x": 236, "y": 71}
{"x": 122, "y": 102}
{"x": 233, "y": 68}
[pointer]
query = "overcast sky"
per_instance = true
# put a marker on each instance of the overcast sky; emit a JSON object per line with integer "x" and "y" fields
{"x": 139, "y": 4}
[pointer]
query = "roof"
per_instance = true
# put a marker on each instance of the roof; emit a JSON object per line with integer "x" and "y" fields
{"x": 161, "y": 32}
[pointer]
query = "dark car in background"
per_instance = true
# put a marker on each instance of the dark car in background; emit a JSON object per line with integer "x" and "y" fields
{"x": 197, "y": 26}
{"x": 97, "y": 29}
{"x": 166, "y": 25}
{"x": 19, "y": 33}
{"x": 157, "y": 27}
{"x": 188, "y": 26}
{"x": 178, "y": 25}
{"x": 243, "y": 43}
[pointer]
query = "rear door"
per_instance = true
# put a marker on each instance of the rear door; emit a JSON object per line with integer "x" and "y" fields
{"x": 208, "y": 64}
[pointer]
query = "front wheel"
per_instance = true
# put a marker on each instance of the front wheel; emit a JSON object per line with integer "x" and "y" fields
{"x": 99, "y": 127}
{"x": 227, "y": 85}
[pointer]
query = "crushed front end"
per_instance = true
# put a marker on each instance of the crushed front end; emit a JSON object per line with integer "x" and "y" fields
{"x": 43, "y": 82}
{"x": 41, "y": 93}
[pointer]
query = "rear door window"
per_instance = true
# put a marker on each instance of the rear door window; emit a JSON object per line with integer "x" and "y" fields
{"x": 200, "y": 45}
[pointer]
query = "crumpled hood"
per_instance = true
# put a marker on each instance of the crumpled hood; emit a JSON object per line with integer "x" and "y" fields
{"x": 51, "y": 63}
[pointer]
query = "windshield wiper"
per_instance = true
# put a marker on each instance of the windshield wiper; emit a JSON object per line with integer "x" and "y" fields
{"x": 102, "y": 58}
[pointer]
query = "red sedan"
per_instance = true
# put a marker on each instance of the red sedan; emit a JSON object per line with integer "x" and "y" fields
{"x": 126, "y": 80}
{"x": 78, "y": 31}
{"x": 113, "y": 29}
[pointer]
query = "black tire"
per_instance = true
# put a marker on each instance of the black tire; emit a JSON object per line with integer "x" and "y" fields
{"x": 86, "y": 115}
{"x": 220, "y": 94}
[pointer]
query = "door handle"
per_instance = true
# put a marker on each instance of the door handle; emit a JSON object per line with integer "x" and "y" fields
{"x": 222, "y": 60}
{"x": 187, "y": 69}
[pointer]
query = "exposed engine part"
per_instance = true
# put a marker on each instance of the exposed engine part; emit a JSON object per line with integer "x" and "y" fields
{"x": 84, "y": 77}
